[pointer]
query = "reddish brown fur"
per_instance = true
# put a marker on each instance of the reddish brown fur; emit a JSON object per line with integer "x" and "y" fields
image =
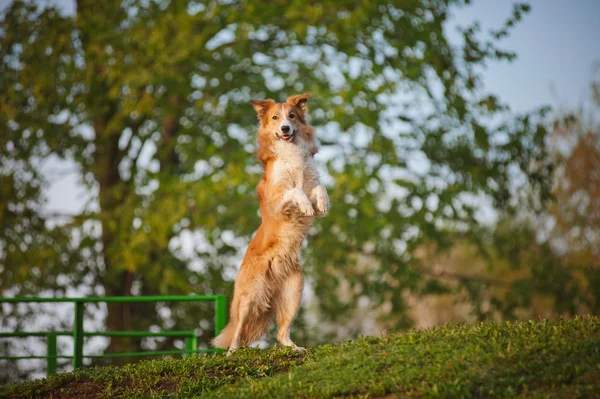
{"x": 270, "y": 279}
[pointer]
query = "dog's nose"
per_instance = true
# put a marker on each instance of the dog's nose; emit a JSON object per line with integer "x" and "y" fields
{"x": 285, "y": 129}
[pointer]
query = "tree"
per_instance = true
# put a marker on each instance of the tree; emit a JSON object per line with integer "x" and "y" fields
{"x": 574, "y": 218}
{"x": 150, "y": 101}
{"x": 551, "y": 257}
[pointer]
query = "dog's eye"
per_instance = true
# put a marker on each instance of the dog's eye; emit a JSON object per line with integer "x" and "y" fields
{"x": 274, "y": 117}
{"x": 292, "y": 116}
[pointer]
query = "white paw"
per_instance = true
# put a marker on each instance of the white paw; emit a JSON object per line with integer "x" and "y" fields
{"x": 299, "y": 198}
{"x": 323, "y": 204}
{"x": 299, "y": 349}
{"x": 320, "y": 200}
{"x": 305, "y": 207}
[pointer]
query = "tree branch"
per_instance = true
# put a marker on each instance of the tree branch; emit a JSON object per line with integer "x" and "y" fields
{"x": 65, "y": 215}
{"x": 432, "y": 272}
{"x": 436, "y": 273}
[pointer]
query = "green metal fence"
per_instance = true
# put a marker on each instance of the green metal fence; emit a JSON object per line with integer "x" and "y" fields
{"x": 78, "y": 332}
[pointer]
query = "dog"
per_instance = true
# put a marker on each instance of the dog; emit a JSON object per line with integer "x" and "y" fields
{"x": 270, "y": 281}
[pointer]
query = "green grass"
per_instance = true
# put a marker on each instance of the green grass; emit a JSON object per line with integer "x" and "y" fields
{"x": 534, "y": 359}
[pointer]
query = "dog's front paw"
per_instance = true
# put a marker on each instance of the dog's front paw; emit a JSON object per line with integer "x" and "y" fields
{"x": 322, "y": 204}
{"x": 300, "y": 200}
{"x": 320, "y": 200}
{"x": 305, "y": 207}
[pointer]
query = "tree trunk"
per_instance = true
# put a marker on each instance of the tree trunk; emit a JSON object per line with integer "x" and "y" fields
{"x": 96, "y": 22}
{"x": 118, "y": 279}
{"x": 94, "y": 18}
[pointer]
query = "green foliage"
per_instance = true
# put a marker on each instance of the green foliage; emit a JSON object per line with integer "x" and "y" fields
{"x": 149, "y": 101}
{"x": 534, "y": 359}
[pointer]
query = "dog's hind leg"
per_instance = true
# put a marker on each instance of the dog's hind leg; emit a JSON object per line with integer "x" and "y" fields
{"x": 286, "y": 306}
{"x": 243, "y": 310}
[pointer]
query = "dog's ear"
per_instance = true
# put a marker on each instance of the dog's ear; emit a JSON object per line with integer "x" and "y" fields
{"x": 262, "y": 107}
{"x": 300, "y": 101}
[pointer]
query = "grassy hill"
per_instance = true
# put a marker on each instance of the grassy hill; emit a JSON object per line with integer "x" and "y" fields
{"x": 533, "y": 359}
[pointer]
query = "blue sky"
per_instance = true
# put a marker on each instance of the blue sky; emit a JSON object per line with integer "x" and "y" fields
{"x": 557, "y": 44}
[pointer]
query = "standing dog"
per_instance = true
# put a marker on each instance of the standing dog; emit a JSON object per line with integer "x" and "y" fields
{"x": 270, "y": 279}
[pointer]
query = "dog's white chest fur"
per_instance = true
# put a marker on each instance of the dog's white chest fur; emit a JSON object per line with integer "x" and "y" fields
{"x": 295, "y": 166}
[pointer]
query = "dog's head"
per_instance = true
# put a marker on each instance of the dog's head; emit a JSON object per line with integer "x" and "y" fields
{"x": 283, "y": 122}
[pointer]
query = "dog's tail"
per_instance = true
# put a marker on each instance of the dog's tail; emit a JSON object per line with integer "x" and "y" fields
{"x": 223, "y": 340}
{"x": 254, "y": 328}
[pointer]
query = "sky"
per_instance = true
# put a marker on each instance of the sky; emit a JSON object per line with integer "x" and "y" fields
{"x": 556, "y": 44}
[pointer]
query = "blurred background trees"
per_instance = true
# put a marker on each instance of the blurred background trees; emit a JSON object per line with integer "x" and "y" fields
{"x": 148, "y": 101}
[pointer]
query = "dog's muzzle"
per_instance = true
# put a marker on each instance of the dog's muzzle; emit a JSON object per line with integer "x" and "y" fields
{"x": 286, "y": 136}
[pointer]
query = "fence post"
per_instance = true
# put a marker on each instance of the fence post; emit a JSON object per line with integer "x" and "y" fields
{"x": 78, "y": 336}
{"x": 220, "y": 313}
{"x": 191, "y": 345}
{"x": 51, "y": 353}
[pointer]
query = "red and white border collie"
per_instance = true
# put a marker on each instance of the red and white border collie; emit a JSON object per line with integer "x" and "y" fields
{"x": 270, "y": 279}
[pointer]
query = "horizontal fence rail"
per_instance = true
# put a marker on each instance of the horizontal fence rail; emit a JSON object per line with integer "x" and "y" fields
{"x": 78, "y": 333}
